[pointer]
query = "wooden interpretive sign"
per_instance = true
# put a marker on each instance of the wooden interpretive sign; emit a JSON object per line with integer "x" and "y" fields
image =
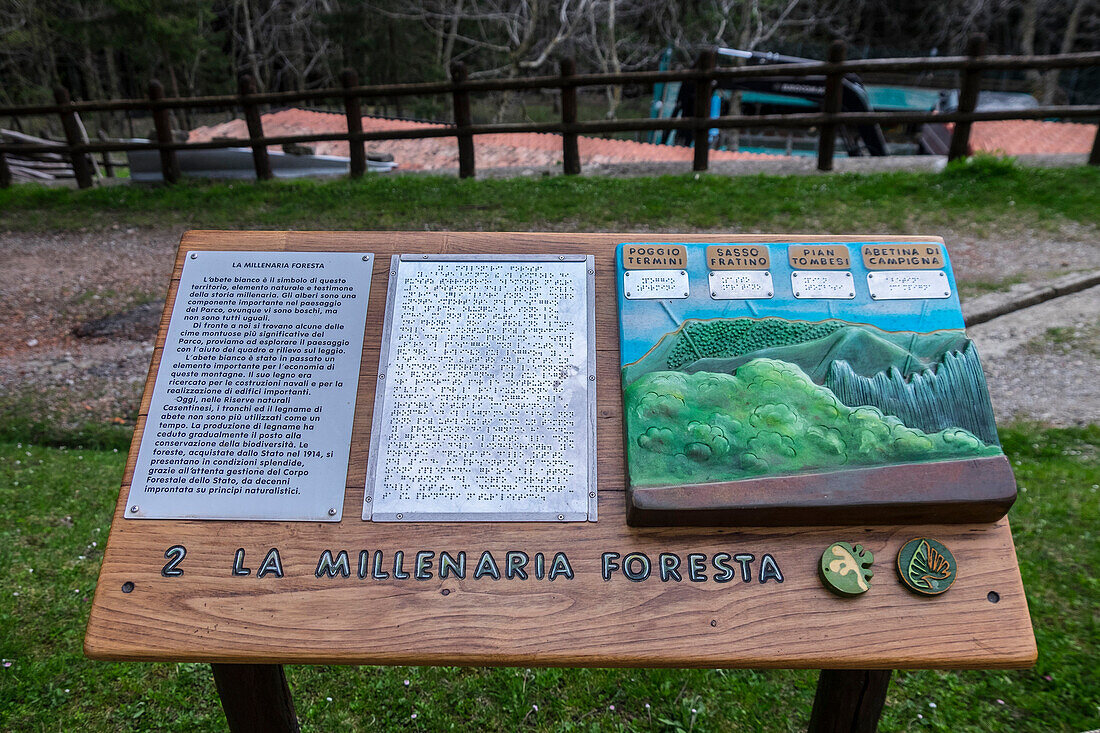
{"x": 827, "y": 389}
{"x": 533, "y": 593}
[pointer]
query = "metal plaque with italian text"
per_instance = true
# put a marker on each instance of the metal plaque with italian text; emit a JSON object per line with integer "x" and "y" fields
{"x": 252, "y": 408}
{"x": 486, "y": 398}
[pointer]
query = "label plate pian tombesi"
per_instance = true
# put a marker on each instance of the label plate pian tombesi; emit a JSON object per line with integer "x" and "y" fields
{"x": 823, "y": 284}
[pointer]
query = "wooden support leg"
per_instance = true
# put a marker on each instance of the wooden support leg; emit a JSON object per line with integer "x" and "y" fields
{"x": 255, "y": 697}
{"x": 849, "y": 700}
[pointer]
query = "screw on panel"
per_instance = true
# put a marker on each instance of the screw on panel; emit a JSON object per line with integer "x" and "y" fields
{"x": 400, "y": 516}
{"x": 847, "y": 274}
{"x": 626, "y": 274}
{"x": 873, "y": 296}
{"x": 368, "y": 499}
{"x": 797, "y": 294}
{"x": 591, "y": 494}
{"x": 366, "y": 257}
{"x": 713, "y": 294}
{"x": 194, "y": 256}
{"x": 134, "y": 509}
{"x": 331, "y": 512}
{"x": 682, "y": 272}
{"x": 767, "y": 274}
{"x": 561, "y": 517}
{"x": 591, "y": 272}
{"x": 425, "y": 256}
{"x": 769, "y": 294}
{"x": 381, "y": 376}
{"x": 946, "y": 294}
{"x": 592, "y": 378}
{"x": 870, "y": 275}
{"x": 561, "y": 258}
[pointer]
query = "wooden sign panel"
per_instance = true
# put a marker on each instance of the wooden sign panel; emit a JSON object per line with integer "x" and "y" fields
{"x": 585, "y": 594}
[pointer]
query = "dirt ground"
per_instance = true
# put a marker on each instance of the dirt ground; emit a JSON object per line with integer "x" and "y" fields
{"x": 1044, "y": 368}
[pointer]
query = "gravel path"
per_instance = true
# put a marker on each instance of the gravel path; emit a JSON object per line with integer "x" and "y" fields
{"x": 52, "y": 282}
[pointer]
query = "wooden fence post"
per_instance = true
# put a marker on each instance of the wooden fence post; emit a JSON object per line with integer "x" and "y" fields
{"x": 849, "y": 700}
{"x": 169, "y": 165}
{"x": 1094, "y": 156}
{"x": 703, "y": 91}
{"x": 831, "y": 105}
{"x": 968, "y": 99}
{"x": 463, "y": 120}
{"x": 81, "y": 169}
{"x": 5, "y": 170}
{"x": 357, "y": 147}
{"x": 260, "y": 160}
{"x": 570, "y": 153}
{"x": 255, "y": 698}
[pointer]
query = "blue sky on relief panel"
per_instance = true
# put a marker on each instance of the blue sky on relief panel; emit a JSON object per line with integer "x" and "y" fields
{"x": 643, "y": 322}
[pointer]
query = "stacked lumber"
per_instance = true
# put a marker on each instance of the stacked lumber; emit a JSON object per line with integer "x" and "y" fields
{"x": 36, "y": 166}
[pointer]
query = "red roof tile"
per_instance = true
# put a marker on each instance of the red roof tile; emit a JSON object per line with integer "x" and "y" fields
{"x": 491, "y": 151}
{"x": 1031, "y": 137}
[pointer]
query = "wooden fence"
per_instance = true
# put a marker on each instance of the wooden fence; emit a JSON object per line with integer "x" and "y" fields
{"x": 704, "y": 74}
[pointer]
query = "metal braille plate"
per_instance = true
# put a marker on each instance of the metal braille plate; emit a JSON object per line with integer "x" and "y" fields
{"x": 823, "y": 284}
{"x": 485, "y": 408}
{"x": 908, "y": 284}
{"x": 655, "y": 284}
{"x": 741, "y": 284}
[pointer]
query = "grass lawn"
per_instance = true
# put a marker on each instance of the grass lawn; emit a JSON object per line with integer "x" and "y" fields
{"x": 55, "y": 508}
{"x": 987, "y": 196}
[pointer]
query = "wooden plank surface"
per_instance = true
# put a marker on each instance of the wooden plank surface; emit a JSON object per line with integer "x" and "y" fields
{"x": 209, "y": 614}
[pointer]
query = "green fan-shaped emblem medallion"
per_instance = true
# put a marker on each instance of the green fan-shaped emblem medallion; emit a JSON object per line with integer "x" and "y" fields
{"x": 846, "y": 568}
{"x": 926, "y": 566}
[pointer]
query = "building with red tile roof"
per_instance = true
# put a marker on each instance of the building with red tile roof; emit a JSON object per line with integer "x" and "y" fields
{"x": 503, "y": 150}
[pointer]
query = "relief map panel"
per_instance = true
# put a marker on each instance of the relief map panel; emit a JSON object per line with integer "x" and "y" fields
{"x": 719, "y": 388}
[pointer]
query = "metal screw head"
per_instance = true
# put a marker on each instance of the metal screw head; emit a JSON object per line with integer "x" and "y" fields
{"x": 194, "y": 256}
{"x": 797, "y": 294}
{"x": 591, "y": 377}
{"x": 134, "y": 509}
{"x": 870, "y": 275}
{"x": 591, "y": 494}
{"x": 767, "y": 273}
{"x": 561, "y": 517}
{"x": 425, "y": 256}
{"x": 400, "y": 516}
{"x": 686, "y": 294}
{"x": 682, "y": 272}
{"x": 713, "y": 294}
{"x": 794, "y": 274}
{"x": 591, "y": 272}
{"x": 331, "y": 511}
{"x": 851, "y": 295}
{"x": 847, "y": 274}
{"x": 769, "y": 293}
{"x": 561, "y": 258}
{"x": 946, "y": 294}
{"x": 369, "y": 499}
{"x": 381, "y": 376}
{"x": 366, "y": 257}
{"x": 873, "y": 296}
{"x": 626, "y": 274}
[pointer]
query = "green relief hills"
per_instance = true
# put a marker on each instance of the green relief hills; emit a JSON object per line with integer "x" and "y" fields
{"x": 727, "y": 399}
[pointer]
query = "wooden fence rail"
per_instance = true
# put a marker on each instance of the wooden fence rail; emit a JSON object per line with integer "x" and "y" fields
{"x": 704, "y": 75}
